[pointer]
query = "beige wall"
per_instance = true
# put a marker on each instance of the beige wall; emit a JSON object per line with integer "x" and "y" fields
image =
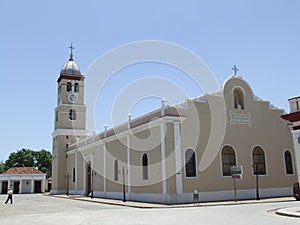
{"x": 147, "y": 141}
{"x": 63, "y": 94}
{"x": 63, "y": 121}
{"x": 266, "y": 130}
{"x": 65, "y": 132}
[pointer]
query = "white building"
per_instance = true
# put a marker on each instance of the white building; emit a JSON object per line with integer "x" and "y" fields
{"x": 22, "y": 180}
{"x": 294, "y": 122}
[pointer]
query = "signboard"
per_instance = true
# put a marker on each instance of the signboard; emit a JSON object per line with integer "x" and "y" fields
{"x": 236, "y": 172}
{"x": 237, "y": 176}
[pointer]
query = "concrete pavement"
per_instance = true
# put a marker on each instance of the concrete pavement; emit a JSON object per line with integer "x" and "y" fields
{"x": 291, "y": 212}
{"x": 31, "y": 209}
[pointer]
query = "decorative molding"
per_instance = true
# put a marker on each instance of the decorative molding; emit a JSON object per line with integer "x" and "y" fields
{"x": 182, "y": 105}
{"x": 258, "y": 99}
{"x": 240, "y": 118}
{"x": 273, "y": 107}
{"x": 69, "y": 132}
{"x": 238, "y": 87}
{"x": 201, "y": 98}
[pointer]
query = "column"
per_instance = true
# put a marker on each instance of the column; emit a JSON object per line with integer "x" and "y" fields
{"x": 76, "y": 171}
{"x": 21, "y": 186}
{"x": 104, "y": 169}
{"x": 84, "y": 176}
{"x": 163, "y": 158}
{"x": 296, "y": 135}
{"x": 104, "y": 161}
{"x": 32, "y": 185}
{"x": 178, "y": 162}
{"x": 128, "y": 156}
{"x": 128, "y": 164}
{"x": 43, "y": 185}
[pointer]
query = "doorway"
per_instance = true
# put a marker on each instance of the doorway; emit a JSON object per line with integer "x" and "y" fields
{"x": 16, "y": 187}
{"x": 4, "y": 187}
{"x": 37, "y": 186}
{"x": 88, "y": 179}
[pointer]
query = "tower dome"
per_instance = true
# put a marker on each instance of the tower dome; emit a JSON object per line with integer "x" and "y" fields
{"x": 70, "y": 67}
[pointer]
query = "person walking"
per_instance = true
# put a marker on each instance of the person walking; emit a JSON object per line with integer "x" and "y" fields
{"x": 9, "y": 196}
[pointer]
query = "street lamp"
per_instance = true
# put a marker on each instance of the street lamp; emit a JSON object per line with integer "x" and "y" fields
{"x": 255, "y": 168}
{"x": 124, "y": 195}
{"x": 92, "y": 180}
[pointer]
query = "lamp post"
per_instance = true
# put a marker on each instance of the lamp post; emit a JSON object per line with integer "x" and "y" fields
{"x": 124, "y": 195}
{"x": 67, "y": 184}
{"x": 255, "y": 167}
{"x": 92, "y": 180}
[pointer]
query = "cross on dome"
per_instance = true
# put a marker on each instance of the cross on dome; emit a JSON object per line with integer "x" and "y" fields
{"x": 71, "y": 55}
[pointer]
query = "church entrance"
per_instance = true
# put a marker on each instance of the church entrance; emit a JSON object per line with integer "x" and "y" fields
{"x": 88, "y": 179}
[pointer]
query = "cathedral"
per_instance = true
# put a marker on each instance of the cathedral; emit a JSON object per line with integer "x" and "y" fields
{"x": 219, "y": 146}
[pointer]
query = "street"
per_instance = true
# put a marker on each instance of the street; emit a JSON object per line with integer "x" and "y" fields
{"x": 39, "y": 209}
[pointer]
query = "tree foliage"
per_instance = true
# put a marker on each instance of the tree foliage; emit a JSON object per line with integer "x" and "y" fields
{"x": 41, "y": 160}
{"x": 2, "y": 167}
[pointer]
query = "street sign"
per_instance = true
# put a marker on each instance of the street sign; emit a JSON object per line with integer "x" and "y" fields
{"x": 236, "y": 172}
{"x": 237, "y": 176}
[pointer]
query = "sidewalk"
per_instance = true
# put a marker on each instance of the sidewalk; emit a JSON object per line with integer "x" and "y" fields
{"x": 291, "y": 212}
{"x": 294, "y": 212}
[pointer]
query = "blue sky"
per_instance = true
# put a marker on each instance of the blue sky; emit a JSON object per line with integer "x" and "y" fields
{"x": 261, "y": 37}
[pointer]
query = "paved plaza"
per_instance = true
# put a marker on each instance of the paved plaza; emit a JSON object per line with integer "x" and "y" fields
{"x": 40, "y": 209}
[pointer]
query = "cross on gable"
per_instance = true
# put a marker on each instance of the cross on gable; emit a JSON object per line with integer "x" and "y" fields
{"x": 235, "y": 69}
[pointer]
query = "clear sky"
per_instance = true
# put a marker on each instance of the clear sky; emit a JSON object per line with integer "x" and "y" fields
{"x": 261, "y": 37}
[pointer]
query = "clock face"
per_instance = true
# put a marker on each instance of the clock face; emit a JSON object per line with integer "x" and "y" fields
{"x": 72, "y": 98}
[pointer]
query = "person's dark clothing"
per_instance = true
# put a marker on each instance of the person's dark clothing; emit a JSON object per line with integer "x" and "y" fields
{"x": 9, "y": 197}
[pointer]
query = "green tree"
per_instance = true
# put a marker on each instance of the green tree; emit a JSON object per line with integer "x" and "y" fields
{"x": 2, "y": 167}
{"x": 21, "y": 158}
{"x": 42, "y": 160}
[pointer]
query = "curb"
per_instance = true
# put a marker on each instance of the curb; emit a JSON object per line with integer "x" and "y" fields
{"x": 290, "y": 212}
{"x": 143, "y": 205}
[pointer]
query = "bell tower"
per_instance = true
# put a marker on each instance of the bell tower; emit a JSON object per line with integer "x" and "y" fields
{"x": 69, "y": 122}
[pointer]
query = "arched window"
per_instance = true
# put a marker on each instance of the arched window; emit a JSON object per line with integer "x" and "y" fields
{"x": 238, "y": 97}
{"x": 145, "y": 166}
{"x": 288, "y": 162}
{"x": 72, "y": 114}
{"x": 116, "y": 167}
{"x": 69, "y": 87}
{"x": 76, "y": 87}
{"x": 190, "y": 163}
{"x": 259, "y": 163}
{"x": 228, "y": 160}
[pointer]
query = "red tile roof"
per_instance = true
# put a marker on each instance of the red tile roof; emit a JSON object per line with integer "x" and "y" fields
{"x": 292, "y": 117}
{"x": 22, "y": 170}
